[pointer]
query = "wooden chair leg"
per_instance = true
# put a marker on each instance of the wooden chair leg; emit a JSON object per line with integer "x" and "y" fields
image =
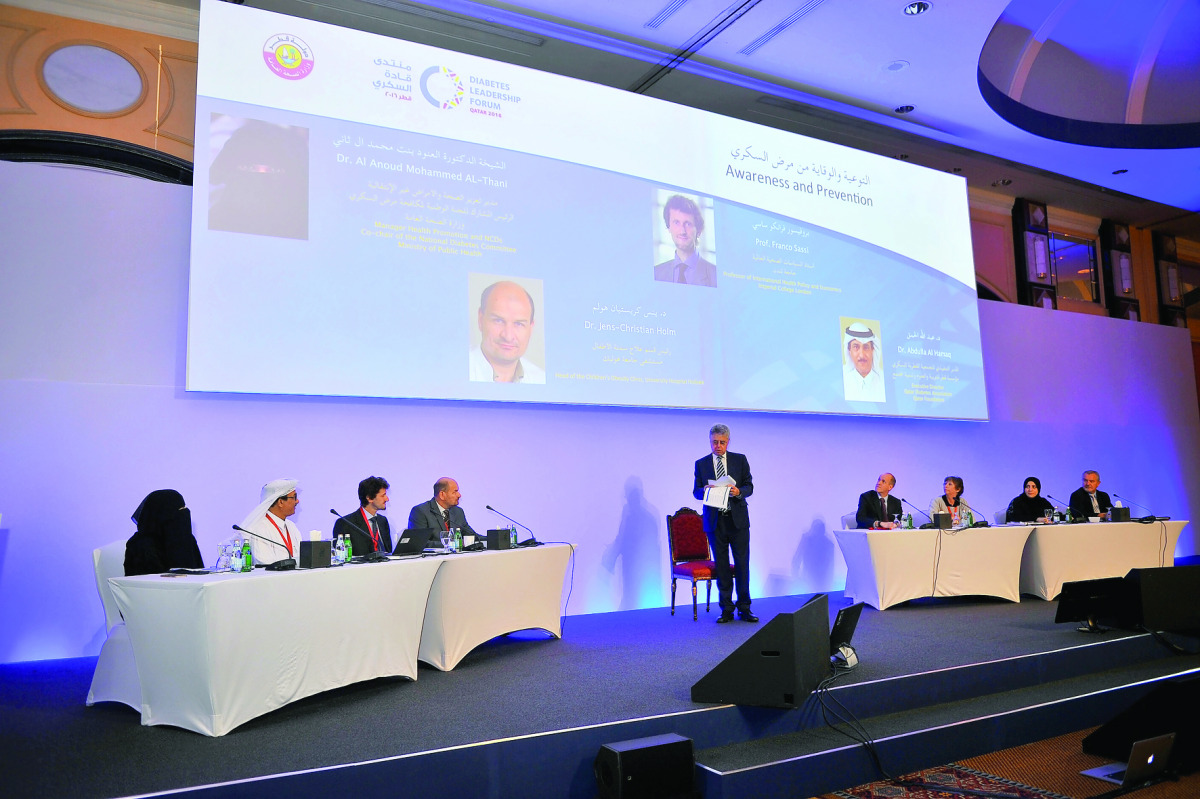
{"x": 672, "y": 596}
{"x": 695, "y": 615}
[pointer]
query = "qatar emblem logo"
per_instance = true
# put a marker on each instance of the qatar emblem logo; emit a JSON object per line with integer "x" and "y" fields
{"x": 288, "y": 56}
{"x": 442, "y": 87}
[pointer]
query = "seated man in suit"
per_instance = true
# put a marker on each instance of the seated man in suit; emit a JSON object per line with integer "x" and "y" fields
{"x": 442, "y": 512}
{"x": 1088, "y": 501}
{"x": 876, "y": 508}
{"x": 368, "y": 531}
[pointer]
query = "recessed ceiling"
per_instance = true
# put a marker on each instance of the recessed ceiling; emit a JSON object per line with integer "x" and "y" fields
{"x": 839, "y": 69}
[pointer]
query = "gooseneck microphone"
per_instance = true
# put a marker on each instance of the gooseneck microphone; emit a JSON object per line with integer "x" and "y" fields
{"x": 373, "y": 555}
{"x": 532, "y": 542}
{"x": 1053, "y": 498}
{"x": 279, "y": 565}
{"x": 914, "y": 507}
{"x": 1131, "y": 502}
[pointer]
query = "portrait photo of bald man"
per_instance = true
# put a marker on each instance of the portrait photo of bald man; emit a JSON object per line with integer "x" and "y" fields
{"x": 506, "y": 338}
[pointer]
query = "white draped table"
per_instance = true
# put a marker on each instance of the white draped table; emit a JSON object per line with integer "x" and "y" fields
{"x": 1062, "y": 553}
{"x": 214, "y": 651}
{"x": 477, "y": 596}
{"x": 886, "y": 567}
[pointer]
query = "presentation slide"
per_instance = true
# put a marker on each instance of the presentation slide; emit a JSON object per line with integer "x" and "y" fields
{"x": 378, "y": 218}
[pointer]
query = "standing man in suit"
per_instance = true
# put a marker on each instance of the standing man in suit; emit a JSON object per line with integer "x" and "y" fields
{"x": 876, "y": 508}
{"x": 368, "y": 531}
{"x": 442, "y": 512}
{"x": 685, "y": 223}
{"x": 1088, "y": 501}
{"x": 728, "y": 529}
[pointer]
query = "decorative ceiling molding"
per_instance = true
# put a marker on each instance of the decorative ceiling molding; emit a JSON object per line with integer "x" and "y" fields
{"x": 147, "y": 16}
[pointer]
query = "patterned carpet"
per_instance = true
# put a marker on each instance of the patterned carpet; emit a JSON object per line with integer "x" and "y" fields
{"x": 1046, "y": 769}
{"x": 933, "y": 784}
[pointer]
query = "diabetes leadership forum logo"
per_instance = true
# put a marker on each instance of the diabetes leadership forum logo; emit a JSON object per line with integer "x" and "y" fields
{"x": 442, "y": 87}
{"x": 288, "y": 56}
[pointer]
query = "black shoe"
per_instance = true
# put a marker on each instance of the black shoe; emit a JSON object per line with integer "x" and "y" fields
{"x": 746, "y": 615}
{"x": 725, "y": 618}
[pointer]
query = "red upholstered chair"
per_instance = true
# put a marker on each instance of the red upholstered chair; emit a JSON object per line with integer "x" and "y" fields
{"x": 691, "y": 558}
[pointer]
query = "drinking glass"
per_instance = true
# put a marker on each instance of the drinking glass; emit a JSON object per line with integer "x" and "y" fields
{"x": 223, "y": 559}
{"x": 896, "y": 519}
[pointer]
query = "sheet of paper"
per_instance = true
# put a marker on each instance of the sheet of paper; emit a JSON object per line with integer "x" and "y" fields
{"x": 717, "y": 496}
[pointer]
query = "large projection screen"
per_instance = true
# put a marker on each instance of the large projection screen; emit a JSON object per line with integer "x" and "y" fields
{"x": 378, "y": 218}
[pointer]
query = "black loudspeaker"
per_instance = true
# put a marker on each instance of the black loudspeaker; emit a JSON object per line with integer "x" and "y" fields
{"x": 1167, "y": 708}
{"x": 779, "y": 666}
{"x": 658, "y": 767}
{"x": 1166, "y": 598}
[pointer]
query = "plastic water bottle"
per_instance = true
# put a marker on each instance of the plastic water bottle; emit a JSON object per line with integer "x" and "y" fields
{"x": 512, "y": 535}
{"x": 247, "y": 557}
{"x": 458, "y": 544}
{"x": 339, "y": 550}
{"x": 235, "y": 557}
{"x": 349, "y": 548}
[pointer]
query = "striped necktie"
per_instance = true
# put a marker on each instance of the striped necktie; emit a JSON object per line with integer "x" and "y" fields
{"x": 720, "y": 466}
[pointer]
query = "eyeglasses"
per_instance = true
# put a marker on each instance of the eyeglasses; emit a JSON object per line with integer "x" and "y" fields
{"x": 292, "y": 498}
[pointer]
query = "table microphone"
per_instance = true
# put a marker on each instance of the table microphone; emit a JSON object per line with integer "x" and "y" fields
{"x": 914, "y": 507}
{"x": 532, "y": 542}
{"x": 1131, "y": 502}
{"x": 277, "y": 566}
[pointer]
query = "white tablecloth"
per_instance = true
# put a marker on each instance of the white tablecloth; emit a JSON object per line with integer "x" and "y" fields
{"x": 1062, "y": 553}
{"x": 215, "y": 651}
{"x": 886, "y": 567}
{"x": 477, "y": 596}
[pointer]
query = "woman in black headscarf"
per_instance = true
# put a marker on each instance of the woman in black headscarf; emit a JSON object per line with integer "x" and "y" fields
{"x": 164, "y": 537}
{"x": 1030, "y": 506}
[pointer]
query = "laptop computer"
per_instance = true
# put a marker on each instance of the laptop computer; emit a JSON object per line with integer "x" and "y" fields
{"x": 1147, "y": 759}
{"x": 843, "y": 627}
{"x": 413, "y": 541}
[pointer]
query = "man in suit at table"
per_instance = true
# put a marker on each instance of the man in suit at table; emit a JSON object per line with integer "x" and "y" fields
{"x": 442, "y": 512}
{"x": 876, "y": 508}
{"x": 1089, "y": 501}
{"x": 367, "y": 529}
{"x": 730, "y": 528}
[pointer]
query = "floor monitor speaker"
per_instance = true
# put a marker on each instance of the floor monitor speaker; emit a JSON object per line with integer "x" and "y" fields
{"x": 658, "y": 767}
{"x": 779, "y": 666}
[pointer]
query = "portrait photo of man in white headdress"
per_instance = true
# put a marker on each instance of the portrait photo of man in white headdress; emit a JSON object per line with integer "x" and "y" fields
{"x": 862, "y": 369}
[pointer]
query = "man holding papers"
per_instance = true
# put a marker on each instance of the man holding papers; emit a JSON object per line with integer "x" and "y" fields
{"x": 723, "y": 482}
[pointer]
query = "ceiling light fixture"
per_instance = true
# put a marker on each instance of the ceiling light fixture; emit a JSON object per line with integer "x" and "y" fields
{"x": 1001, "y": 182}
{"x": 916, "y": 9}
{"x": 903, "y": 156}
{"x": 904, "y": 109}
{"x": 896, "y": 66}
{"x": 1120, "y": 171}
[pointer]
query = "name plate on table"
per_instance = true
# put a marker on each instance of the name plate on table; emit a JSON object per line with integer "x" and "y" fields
{"x": 316, "y": 554}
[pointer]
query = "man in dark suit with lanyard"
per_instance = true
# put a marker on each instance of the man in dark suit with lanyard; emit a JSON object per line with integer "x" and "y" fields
{"x": 368, "y": 531}
{"x": 730, "y": 528}
{"x": 876, "y": 508}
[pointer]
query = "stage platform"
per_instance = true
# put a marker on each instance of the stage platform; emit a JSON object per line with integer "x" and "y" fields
{"x": 525, "y": 714}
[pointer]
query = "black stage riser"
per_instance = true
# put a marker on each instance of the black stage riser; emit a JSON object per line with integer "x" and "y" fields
{"x": 560, "y": 764}
{"x": 851, "y": 765}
